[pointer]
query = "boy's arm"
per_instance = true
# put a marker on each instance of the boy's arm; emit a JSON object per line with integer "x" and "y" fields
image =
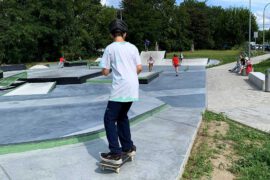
{"x": 138, "y": 62}
{"x": 105, "y": 63}
{"x": 139, "y": 69}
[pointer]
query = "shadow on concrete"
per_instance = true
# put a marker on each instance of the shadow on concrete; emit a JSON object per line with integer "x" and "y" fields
{"x": 252, "y": 86}
{"x": 94, "y": 148}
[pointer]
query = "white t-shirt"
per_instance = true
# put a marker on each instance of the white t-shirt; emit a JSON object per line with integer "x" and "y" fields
{"x": 122, "y": 58}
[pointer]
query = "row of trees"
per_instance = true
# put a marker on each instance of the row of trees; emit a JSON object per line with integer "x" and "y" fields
{"x": 191, "y": 22}
{"x": 34, "y": 30}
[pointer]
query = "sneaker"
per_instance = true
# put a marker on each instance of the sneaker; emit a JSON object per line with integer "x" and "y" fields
{"x": 111, "y": 158}
{"x": 131, "y": 152}
{"x": 176, "y": 74}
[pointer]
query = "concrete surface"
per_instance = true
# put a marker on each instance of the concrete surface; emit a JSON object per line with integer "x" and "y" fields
{"x": 195, "y": 62}
{"x": 39, "y": 67}
{"x": 32, "y": 89}
{"x": 213, "y": 62}
{"x": 70, "y": 75}
{"x": 12, "y": 73}
{"x": 163, "y": 141}
{"x": 257, "y": 79}
{"x": 185, "y": 62}
{"x": 56, "y": 117}
{"x": 237, "y": 98}
{"x": 144, "y": 78}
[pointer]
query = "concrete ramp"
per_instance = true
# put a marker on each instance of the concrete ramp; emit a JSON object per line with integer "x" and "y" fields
{"x": 195, "y": 62}
{"x": 32, "y": 89}
{"x": 158, "y": 57}
{"x": 39, "y": 67}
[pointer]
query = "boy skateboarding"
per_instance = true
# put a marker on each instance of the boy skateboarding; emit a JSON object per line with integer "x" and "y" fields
{"x": 124, "y": 60}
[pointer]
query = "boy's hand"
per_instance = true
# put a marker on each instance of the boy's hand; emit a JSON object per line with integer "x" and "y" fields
{"x": 105, "y": 72}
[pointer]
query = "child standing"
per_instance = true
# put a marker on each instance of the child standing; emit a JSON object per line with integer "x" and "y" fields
{"x": 124, "y": 60}
{"x": 151, "y": 62}
{"x": 181, "y": 55}
{"x": 175, "y": 62}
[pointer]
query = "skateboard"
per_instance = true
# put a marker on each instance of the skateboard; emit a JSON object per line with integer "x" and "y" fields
{"x": 115, "y": 167}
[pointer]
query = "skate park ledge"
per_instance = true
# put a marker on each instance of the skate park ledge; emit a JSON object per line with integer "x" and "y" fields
{"x": 84, "y": 137}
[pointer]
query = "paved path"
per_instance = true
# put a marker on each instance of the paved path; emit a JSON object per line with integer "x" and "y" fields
{"x": 237, "y": 98}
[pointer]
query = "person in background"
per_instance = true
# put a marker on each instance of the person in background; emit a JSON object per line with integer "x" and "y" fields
{"x": 249, "y": 67}
{"x": 175, "y": 62}
{"x": 181, "y": 56}
{"x": 237, "y": 66}
{"x": 151, "y": 62}
{"x": 61, "y": 62}
{"x": 243, "y": 63}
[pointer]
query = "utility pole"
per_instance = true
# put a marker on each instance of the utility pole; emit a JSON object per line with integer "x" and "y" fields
{"x": 264, "y": 25}
{"x": 249, "y": 48}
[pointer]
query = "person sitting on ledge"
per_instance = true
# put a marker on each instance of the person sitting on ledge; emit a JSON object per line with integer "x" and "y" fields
{"x": 243, "y": 63}
{"x": 237, "y": 67}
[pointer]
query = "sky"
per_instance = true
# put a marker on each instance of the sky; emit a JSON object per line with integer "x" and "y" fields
{"x": 257, "y": 7}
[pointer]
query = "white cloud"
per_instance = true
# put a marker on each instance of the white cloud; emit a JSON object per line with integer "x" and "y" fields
{"x": 259, "y": 16}
{"x": 103, "y": 2}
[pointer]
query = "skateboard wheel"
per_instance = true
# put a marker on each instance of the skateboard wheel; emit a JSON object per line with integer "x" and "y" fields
{"x": 117, "y": 170}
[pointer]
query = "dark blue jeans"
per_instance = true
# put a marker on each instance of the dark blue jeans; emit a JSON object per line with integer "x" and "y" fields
{"x": 116, "y": 124}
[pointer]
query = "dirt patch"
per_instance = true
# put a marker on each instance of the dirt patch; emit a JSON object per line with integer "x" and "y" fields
{"x": 218, "y": 128}
{"x": 222, "y": 154}
{"x": 221, "y": 163}
{"x": 222, "y": 160}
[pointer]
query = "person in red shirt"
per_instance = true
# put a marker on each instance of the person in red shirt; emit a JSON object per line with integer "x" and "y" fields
{"x": 176, "y": 63}
{"x": 61, "y": 62}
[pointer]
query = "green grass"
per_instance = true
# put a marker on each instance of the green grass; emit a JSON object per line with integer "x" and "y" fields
{"x": 253, "y": 149}
{"x": 199, "y": 163}
{"x": 250, "y": 146}
{"x": 263, "y": 66}
{"x": 225, "y": 56}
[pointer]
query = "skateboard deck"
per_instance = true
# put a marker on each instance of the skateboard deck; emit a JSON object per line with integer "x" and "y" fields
{"x": 115, "y": 167}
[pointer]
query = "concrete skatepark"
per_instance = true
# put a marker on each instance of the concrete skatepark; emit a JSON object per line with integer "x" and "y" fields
{"x": 164, "y": 125}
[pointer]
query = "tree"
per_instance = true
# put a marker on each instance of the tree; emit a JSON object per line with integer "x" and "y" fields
{"x": 200, "y": 32}
{"x": 36, "y": 30}
{"x": 143, "y": 20}
{"x": 33, "y": 30}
